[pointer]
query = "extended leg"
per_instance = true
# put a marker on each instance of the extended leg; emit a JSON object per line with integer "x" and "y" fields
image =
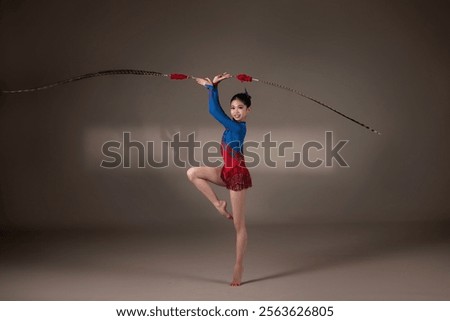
{"x": 238, "y": 206}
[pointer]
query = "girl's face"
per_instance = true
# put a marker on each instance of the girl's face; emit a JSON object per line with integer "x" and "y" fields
{"x": 239, "y": 111}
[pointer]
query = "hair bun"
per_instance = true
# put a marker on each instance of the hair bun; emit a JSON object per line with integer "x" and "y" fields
{"x": 246, "y": 92}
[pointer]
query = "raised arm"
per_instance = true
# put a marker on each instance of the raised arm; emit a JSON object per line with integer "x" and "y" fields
{"x": 216, "y": 110}
{"x": 214, "y": 105}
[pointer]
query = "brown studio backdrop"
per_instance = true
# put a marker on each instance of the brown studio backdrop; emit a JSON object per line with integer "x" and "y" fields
{"x": 382, "y": 62}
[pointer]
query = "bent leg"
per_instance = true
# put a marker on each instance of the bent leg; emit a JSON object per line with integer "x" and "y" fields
{"x": 200, "y": 177}
{"x": 238, "y": 207}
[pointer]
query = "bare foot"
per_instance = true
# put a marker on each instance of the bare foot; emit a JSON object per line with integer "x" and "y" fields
{"x": 222, "y": 208}
{"x": 237, "y": 275}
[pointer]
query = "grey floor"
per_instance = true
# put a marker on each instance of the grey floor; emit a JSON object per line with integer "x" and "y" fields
{"x": 364, "y": 261}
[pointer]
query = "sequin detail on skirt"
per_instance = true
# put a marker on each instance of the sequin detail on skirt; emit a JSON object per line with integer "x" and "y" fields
{"x": 234, "y": 172}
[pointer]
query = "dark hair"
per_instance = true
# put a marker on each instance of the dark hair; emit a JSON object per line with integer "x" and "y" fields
{"x": 244, "y": 97}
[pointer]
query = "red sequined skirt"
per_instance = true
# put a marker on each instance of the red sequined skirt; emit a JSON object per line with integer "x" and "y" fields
{"x": 234, "y": 173}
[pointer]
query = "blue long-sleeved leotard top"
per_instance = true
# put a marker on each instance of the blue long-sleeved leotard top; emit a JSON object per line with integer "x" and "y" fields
{"x": 235, "y": 131}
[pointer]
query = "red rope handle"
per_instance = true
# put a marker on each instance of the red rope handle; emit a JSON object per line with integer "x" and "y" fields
{"x": 244, "y": 77}
{"x": 178, "y": 76}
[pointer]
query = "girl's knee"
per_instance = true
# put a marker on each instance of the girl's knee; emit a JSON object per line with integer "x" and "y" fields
{"x": 239, "y": 226}
{"x": 241, "y": 234}
{"x": 191, "y": 173}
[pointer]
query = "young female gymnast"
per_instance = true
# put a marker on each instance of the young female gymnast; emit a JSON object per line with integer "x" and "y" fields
{"x": 233, "y": 175}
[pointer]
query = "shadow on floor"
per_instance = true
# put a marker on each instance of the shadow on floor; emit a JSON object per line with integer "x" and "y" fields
{"x": 398, "y": 239}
